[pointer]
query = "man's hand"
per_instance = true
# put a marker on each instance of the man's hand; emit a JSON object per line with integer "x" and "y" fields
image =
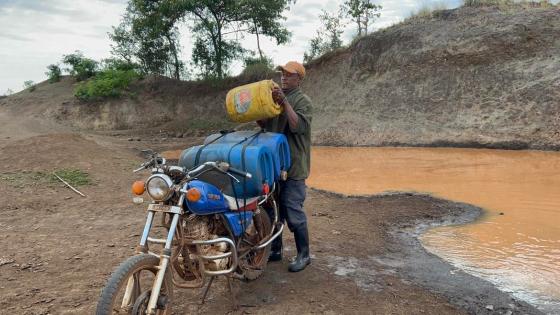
{"x": 278, "y": 96}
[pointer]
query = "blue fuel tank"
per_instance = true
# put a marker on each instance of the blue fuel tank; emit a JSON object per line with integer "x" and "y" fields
{"x": 275, "y": 142}
{"x": 256, "y": 160}
{"x": 211, "y": 199}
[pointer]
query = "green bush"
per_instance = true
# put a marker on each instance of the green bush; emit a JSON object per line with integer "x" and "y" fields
{"x": 81, "y": 67}
{"x": 29, "y": 85}
{"x": 257, "y": 67}
{"x": 54, "y": 73}
{"x": 119, "y": 64}
{"x": 108, "y": 83}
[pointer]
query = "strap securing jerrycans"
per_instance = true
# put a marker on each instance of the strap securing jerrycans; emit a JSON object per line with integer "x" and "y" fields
{"x": 252, "y": 102}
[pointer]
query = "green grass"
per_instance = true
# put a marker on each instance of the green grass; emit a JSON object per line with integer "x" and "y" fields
{"x": 74, "y": 177}
{"x": 23, "y": 179}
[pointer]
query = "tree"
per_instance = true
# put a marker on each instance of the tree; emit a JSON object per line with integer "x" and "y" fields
{"x": 54, "y": 73}
{"x": 258, "y": 67}
{"x": 334, "y": 27}
{"x": 215, "y": 21}
{"x": 80, "y": 67}
{"x": 147, "y": 34}
{"x": 362, "y": 12}
{"x": 212, "y": 52}
{"x": 328, "y": 37}
{"x": 316, "y": 48}
{"x": 124, "y": 45}
{"x": 263, "y": 18}
{"x": 119, "y": 64}
{"x": 148, "y": 31}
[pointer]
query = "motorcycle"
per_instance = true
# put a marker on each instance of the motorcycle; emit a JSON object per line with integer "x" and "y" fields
{"x": 202, "y": 234}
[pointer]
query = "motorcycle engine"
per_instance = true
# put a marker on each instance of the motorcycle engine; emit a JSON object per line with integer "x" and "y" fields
{"x": 207, "y": 228}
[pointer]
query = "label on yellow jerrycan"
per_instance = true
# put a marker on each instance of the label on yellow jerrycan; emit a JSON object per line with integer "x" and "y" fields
{"x": 252, "y": 102}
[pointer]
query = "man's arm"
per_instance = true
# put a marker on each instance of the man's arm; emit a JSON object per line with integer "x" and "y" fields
{"x": 291, "y": 115}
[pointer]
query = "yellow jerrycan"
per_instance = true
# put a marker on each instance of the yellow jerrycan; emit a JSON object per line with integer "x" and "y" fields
{"x": 252, "y": 102}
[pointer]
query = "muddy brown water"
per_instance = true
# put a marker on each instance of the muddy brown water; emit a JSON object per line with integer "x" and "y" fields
{"x": 516, "y": 244}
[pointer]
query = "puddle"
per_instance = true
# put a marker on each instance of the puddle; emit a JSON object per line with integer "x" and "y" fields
{"x": 516, "y": 245}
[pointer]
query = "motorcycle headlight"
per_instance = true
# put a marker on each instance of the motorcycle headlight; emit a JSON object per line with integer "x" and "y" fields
{"x": 159, "y": 187}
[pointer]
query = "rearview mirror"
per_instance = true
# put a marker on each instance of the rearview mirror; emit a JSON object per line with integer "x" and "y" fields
{"x": 148, "y": 153}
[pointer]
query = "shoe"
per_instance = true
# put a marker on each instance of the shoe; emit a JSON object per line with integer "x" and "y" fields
{"x": 276, "y": 249}
{"x": 302, "y": 259}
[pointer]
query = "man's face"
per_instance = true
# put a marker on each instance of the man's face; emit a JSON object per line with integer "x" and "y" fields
{"x": 289, "y": 80}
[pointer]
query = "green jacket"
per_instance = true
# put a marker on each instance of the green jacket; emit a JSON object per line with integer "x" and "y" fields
{"x": 299, "y": 138}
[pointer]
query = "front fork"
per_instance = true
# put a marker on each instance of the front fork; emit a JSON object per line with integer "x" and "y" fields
{"x": 165, "y": 255}
{"x": 163, "y": 263}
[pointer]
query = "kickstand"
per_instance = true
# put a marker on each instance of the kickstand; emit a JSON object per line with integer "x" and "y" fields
{"x": 207, "y": 289}
{"x": 233, "y": 300}
{"x": 230, "y": 288}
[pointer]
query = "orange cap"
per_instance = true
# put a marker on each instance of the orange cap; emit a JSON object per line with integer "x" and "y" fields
{"x": 293, "y": 67}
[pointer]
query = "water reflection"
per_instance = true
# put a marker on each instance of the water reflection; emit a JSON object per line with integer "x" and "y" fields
{"x": 519, "y": 250}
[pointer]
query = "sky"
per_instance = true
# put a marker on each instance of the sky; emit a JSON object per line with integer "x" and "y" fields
{"x": 37, "y": 33}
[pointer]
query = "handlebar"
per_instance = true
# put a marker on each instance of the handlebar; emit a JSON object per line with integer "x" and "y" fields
{"x": 155, "y": 161}
{"x": 240, "y": 173}
{"x": 220, "y": 166}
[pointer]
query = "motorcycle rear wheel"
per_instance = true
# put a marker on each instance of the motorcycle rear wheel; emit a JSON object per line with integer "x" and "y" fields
{"x": 252, "y": 266}
{"x": 141, "y": 270}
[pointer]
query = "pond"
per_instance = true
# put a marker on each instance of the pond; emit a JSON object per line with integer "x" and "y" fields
{"x": 516, "y": 244}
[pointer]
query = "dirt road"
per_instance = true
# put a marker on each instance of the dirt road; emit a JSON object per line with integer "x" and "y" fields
{"x": 57, "y": 248}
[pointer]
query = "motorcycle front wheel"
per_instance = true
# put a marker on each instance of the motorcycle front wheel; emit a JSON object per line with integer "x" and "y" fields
{"x": 138, "y": 274}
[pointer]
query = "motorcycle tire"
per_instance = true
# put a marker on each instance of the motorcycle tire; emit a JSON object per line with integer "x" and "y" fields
{"x": 133, "y": 267}
{"x": 253, "y": 266}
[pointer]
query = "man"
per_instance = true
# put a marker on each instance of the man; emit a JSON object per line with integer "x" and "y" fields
{"x": 295, "y": 123}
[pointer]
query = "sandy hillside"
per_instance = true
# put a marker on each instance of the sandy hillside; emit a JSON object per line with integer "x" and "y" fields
{"x": 465, "y": 77}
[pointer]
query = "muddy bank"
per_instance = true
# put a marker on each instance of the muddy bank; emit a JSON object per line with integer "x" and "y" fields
{"x": 406, "y": 255}
{"x": 471, "y": 293}
{"x": 499, "y": 145}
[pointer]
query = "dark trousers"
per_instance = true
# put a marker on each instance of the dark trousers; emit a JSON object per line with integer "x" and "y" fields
{"x": 292, "y": 197}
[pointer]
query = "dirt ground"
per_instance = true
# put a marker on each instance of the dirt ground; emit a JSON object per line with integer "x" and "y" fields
{"x": 57, "y": 249}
